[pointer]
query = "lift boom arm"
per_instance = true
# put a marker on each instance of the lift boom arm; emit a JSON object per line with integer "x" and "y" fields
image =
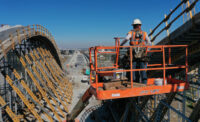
{"x": 82, "y": 103}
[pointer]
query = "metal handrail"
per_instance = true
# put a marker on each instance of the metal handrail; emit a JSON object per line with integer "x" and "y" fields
{"x": 97, "y": 69}
{"x": 168, "y": 16}
{"x": 27, "y": 31}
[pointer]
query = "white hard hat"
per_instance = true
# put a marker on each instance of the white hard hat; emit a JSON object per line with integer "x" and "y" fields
{"x": 137, "y": 22}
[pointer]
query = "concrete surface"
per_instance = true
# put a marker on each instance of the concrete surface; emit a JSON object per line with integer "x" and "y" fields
{"x": 76, "y": 63}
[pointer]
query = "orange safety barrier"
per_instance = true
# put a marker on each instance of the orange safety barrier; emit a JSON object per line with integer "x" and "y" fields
{"x": 171, "y": 84}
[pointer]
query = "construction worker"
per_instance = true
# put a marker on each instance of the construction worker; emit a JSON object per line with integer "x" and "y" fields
{"x": 137, "y": 37}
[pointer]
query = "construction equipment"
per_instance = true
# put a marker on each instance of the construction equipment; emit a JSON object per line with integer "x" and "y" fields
{"x": 119, "y": 87}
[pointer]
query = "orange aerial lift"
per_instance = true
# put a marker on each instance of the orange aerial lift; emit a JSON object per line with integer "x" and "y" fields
{"x": 122, "y": 88}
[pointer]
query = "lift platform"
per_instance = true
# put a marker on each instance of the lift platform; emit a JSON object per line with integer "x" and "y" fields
{"x": 122, "y": 87}
{"x": 104, "y": 88}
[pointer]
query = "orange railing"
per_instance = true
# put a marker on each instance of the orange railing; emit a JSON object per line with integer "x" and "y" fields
{"x": 165, "y": 65}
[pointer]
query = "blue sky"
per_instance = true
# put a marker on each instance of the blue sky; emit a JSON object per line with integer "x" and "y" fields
{"x": 84, "y": 23}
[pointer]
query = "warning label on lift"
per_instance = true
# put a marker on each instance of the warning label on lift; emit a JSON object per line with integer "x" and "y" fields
{"x": 116, "y": 95}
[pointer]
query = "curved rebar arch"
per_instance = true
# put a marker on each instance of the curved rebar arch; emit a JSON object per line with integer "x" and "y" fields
{"x": 32, "y": 75}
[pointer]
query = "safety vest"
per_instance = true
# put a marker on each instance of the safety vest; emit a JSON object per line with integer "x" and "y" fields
{"x": 138, "y": 37}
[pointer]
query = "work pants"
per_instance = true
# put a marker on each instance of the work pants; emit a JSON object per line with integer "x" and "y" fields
{"x": 136, "y": 74}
